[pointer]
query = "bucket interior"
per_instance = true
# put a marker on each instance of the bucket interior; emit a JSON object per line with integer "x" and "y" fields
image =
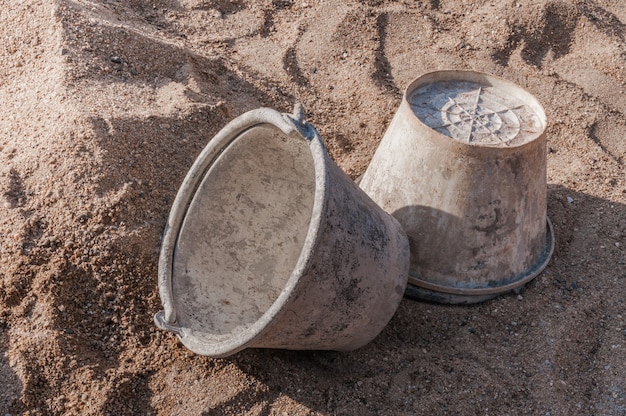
{"x": 243, "y": 233}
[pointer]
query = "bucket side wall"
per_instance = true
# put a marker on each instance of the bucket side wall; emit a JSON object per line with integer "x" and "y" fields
{"x": 475, "y": 216}
{"x": 356, "y": 279}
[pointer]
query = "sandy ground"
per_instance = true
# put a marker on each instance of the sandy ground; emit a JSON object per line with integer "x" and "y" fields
{"x": 106, "y": 104}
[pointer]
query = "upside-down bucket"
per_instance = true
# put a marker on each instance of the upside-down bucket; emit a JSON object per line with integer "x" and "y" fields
{"x": 462, "y": 166}
{"x": 269, "y": 244}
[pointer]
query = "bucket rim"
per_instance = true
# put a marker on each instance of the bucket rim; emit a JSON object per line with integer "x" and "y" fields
{"x": 478, "y": 77}
{"x": 296, "y": 128}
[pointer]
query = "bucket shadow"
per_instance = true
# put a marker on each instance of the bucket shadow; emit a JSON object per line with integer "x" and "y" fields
{"x": 433, "y": 224}
{"x": 589, "y": 231}
{"x": 434, "y": 358}
{"x": 322, "y": 381}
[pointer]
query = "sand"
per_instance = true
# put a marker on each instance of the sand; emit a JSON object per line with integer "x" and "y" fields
{"x": 105, "y": 106}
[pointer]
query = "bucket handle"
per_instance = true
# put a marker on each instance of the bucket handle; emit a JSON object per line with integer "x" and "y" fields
{"x": 161, "y": 323}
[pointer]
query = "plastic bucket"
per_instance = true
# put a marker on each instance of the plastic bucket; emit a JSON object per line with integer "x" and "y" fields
{"x": 462, "y": 167}
{"x": 269, "y": 244}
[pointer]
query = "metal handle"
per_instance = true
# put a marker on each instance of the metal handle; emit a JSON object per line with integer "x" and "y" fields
{"x": 159, "y": 320}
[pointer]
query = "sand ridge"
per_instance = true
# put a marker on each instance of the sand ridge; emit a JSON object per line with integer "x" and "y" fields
{"x": 106, "y": 104}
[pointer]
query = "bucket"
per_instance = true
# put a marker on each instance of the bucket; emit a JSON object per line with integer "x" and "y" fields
{"x": 270, "y": 245}
{"x": 462, "y": 167}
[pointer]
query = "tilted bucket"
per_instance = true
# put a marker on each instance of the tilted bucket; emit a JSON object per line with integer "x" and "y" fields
{"x": 462, "y": 166}
{"x": 269, "y": 244}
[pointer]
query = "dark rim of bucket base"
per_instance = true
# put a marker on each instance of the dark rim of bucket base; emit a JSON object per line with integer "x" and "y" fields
{"x": 421, "y": 290}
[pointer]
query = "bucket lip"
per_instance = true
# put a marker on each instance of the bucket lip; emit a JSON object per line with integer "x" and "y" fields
{"x": 473, "y": 295}
{"x": 473, "y": 76}
{"x": 295, "y": 127}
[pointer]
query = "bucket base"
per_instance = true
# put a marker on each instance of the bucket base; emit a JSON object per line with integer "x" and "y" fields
{"x": 418, "y": 293}
{"x": 418, "y": 289}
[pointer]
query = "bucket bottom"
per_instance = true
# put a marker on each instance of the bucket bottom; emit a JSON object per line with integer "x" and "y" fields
{"x": 419, "y": 293}
{"x": 418, "y": 289}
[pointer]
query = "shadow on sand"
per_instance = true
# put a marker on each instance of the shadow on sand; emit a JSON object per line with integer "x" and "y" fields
{"x": 435, "y": 358}
{"x": 10, "y": 382}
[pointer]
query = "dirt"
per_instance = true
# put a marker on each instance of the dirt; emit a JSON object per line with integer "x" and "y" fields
{"x": 105, "y": 106}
